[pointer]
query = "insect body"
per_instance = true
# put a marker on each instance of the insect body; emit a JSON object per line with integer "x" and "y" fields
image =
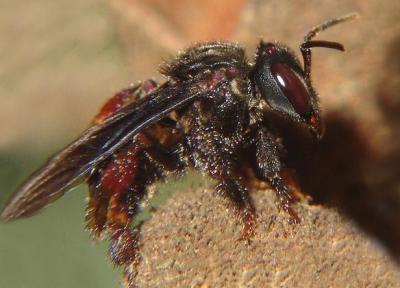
{"x": 210, "y": 114}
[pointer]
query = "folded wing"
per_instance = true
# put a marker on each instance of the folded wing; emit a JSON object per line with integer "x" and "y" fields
{"x": 74, "y": 163}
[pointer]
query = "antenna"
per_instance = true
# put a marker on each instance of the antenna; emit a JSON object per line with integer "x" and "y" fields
{"x": 308, "y": 43}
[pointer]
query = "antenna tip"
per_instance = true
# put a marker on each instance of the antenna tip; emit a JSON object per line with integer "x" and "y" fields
{"x": 351, "y": 16}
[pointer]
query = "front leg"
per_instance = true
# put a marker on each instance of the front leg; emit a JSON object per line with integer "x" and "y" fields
{"x": 270, "y": 168}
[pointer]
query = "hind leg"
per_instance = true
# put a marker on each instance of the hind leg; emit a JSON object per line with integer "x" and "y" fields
{"x": 122, "y": 169}
{"x": 118, "y": 187}
{"x": 116, "y": 191}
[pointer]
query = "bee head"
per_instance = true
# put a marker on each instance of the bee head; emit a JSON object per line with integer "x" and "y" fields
{"x": 285, "y": 84}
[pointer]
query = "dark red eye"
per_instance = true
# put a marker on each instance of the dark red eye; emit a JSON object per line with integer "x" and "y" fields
{"x": 293, "y": 88}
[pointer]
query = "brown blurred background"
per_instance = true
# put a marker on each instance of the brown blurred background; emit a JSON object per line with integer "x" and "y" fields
{"x": 61, "y": 59}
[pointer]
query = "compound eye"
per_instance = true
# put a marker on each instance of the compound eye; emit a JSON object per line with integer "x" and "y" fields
{"x": 293, "y": 88}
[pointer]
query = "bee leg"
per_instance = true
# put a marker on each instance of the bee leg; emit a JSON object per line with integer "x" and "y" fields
{"x": 96, "y": 211}
{"x": 158, "y": 162}
{"x": 99, "y": 196}
{"x": 118, "y": 187}
{"x": 208, "y": 151}
{"x": 270, "y": 168}
{"x": 117, "y": 190}
{"x": 230, "y": 188}
{"x": 114, "y": 195}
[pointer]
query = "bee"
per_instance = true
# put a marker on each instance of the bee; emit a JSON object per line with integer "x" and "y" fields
{"x": 211, "y": 114}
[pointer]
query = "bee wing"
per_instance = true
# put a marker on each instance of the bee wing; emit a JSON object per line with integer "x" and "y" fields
{"x": 74, "y": 163}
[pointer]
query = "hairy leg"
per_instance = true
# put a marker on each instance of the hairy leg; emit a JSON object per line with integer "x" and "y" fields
{"x": 119, "y": 185}
{"x": 124, "y": 165}
{"x": 117, "y": 190}
{"x": 232, "y": 189}
{"x": 211, "y": 153}
{"x": 270, "y": 168}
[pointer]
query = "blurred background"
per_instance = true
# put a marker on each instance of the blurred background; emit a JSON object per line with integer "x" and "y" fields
{"x": 60, "y": 60}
